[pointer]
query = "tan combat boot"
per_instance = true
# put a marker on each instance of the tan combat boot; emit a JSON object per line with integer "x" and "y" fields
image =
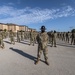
{"x": 2, "y": 47}
{"x": 46, "y": 62}
{"x": 37, "y": 61}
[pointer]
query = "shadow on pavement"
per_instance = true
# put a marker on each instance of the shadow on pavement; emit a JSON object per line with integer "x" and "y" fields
{"x": 25, "y": 54}
{"x": 7, "y": 42}
{"x": 25, "y": 43}
{"x": 66, "y": 45}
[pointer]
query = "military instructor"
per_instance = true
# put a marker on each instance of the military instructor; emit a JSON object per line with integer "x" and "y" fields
{"x": 42, "y": 39}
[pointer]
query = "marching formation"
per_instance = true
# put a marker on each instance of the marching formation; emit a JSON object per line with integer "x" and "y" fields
{"x": 41, "y": 38}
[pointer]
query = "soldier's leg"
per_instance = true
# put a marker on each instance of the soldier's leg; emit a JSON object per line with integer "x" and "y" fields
{"x": 2, "y": 44}
{"x": 64, "y": 38}
{"x": 30, "y": 41}
{"x": 68, "y": 39}
{"x": 74, "y": 41}
{"x": 33, "y": 41}
{"x": 71, "y": 41}
{"x": 19, "y": 39}
{"x": 45, "y": 52}
{"x": 22, "y": 38}
{"x": 13, "y": 40}
{"x": 38, "y": 56}
{"x": 51, "y": 42}
{"x": 54, "y": 42}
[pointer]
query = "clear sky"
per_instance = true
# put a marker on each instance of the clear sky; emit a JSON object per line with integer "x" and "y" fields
{"x": 56, "y": 15}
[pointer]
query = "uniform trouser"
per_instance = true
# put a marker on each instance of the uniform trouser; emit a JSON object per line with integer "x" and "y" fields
{"x": 50, "y": 40}
{"x": 60, "y": 38}
{"x": 25, "y": 37}
{"x": 22, "y": 38}
{"x": 34, "y": 39}
{"x": 45, "y": 52}
{"x": 72, "y": 41}
{"x": 67, "y": 39}
{"x": 1, "y": 43}
{"x": 53, "y": 42}
{"x": 12, "y": 39}
{"x": 18, "y": 39}
{"x": 63, "y": 39}
{"x": 31, "y": 41}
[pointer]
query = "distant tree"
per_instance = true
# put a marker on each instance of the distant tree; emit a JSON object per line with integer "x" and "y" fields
{"x": 5, "y": 30}
{"x": 73, "y": 30}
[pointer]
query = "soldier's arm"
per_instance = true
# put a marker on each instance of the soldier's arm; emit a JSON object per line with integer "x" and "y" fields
{"x": 37, "y": 38}
{"x": 47, "y": 38}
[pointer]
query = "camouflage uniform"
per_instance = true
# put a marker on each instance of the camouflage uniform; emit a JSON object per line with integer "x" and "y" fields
{"x": 63, "y": 36}
{"x": 1, "y": 40}
{"x": 11, "y": 35}
{"x": 42, "y": 39}
{"x": 35, "y": 35}
{"x": 31, "y": 38}
{"x": 22, "y": 35}
{"x": 18, "y": 36}
{"x": 67, "y": 37}
{"x": 54, "y": 36}
{"x": 25, "y": 35}
{"x": 50, "y": 37}
{"x": 73, "y": 38}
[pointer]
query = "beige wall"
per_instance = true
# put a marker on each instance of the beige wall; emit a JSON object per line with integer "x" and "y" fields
{"x": 5, "y": 27}
{"x": 22, "y": 28}
{"x": 26, "y": 28}
{"x": 1, "y": 26}
{"x": 14, "y": 27}
{"x": 29, "y": 29}
{"x": 17, "y": 28}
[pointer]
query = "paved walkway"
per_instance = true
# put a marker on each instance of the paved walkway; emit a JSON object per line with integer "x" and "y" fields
{"x": 19, "y": 59}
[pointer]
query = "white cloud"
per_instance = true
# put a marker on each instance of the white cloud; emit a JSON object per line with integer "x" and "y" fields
{"x": 32, "y": 15}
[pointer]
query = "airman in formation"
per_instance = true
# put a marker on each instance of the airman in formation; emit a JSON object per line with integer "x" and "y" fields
{"x": 11, "y": 36}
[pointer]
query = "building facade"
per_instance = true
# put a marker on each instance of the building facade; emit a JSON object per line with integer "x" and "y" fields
{"x": 14, "y": 27}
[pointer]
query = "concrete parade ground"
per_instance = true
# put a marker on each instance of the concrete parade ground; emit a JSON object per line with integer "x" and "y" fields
{"x": 19, "y": 59}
